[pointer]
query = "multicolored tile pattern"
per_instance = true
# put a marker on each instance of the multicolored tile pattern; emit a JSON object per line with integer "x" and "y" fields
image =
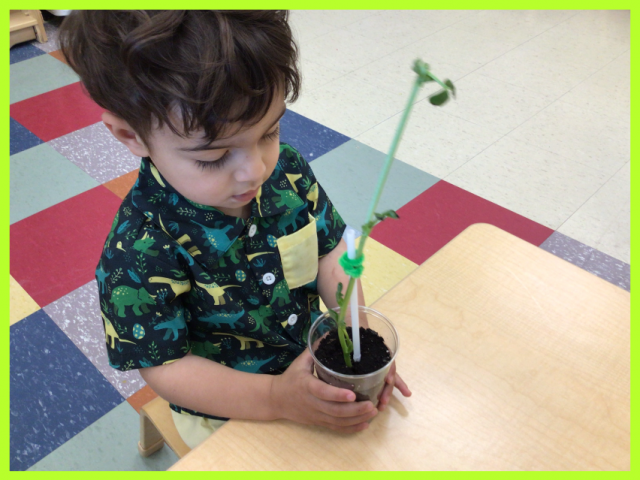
{"x": 531, "y": 145}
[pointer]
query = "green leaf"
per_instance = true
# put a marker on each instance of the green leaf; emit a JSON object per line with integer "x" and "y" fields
{"x": 439, "y": 98}
{"x": 339, "y": 295}
{"x": 449, "y": 84}
{"x": 387, "y": 214}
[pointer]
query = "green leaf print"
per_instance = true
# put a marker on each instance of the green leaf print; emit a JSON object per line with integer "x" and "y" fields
{"x": 141, "y": 264}
{"x": 187, "y": 212}
{"x": 332, "y": 244}
{"x": 116, "y": 275}
{"x": 153, "y": 351}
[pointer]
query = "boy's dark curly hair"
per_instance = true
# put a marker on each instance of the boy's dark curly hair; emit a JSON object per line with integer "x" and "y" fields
{"x": 186, "y": 69}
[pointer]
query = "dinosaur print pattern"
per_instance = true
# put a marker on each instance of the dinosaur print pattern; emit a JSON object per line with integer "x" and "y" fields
{"x": 176, "y": 276}
{"x": 215, "y": 238}
{"x": 216, "y": 291}
{"x": 124, "y": 296}
{"x": 222, "y": 317}
{"x": 287, "y": 198}
{"x": 172, "y": 326}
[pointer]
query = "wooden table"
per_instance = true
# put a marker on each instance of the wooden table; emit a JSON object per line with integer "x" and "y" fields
{"x": 517, "y": 360}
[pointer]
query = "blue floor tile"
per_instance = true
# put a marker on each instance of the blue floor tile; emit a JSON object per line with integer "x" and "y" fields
{"x": 21, "y": 138}
{"x": 23, "y": 51}
{"x": 55, "y": 391}
{"x": 310, "y": 138}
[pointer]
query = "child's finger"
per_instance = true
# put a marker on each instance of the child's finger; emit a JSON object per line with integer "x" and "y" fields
{"x": 324, "y": 391}
{"x": 385, "y": 396}
{"x": 400, "y": 385}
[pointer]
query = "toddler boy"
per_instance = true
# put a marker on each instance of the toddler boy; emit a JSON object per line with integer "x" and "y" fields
{"x": 215, "y": 262}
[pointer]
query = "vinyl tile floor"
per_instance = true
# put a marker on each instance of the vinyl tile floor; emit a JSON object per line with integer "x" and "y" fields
{"x": 536, "y": 142}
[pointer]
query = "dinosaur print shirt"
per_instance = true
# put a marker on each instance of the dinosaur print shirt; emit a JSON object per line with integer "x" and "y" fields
{"x": 176, "y": 276}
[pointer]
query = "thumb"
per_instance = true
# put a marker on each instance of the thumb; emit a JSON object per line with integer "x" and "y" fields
{"x": 304, "y": 361}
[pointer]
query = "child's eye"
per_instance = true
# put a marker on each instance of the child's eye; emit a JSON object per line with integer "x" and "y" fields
{"x": 273, "y": 135}
{"x": 213, "y": 164}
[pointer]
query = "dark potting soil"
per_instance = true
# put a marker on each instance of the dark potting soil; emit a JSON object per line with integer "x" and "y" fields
{"x": 374, "y": 353}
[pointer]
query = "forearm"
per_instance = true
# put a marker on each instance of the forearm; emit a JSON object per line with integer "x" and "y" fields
{"x": 205, "y": 386}
{"x": 330, "y": 274}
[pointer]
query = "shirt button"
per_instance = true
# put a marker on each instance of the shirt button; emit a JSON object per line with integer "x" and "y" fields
{"x": 293, "y": 318}
{"x": 268, "y": 278}
{"x": 252, "y": 230}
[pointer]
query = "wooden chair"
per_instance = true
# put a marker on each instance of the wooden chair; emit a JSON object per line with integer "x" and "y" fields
{"x": 25, "y": 25}
{"x": 157, "y": 428}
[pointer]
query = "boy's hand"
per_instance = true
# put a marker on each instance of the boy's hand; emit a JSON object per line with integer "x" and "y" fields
{"x": 299, "y": 396}
{"x": 392, "y": 380}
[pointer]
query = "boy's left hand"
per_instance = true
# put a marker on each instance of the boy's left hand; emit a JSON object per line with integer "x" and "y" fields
{"x": 392, "y": 380}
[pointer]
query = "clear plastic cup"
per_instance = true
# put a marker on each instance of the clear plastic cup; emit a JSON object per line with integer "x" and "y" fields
{"x": 366, "y": 387}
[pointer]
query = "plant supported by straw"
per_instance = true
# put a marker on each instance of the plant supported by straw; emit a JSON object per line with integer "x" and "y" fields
{"x": 353, "y": 266}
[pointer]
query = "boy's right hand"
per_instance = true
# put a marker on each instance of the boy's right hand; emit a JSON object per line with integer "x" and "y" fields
{"x": 299, "y": 396}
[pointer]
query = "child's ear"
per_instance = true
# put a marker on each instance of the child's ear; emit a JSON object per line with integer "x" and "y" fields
{"x": 123, "y": 132}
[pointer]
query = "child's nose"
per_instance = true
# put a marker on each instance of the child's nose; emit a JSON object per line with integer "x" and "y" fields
{"x": 253, "y": 167}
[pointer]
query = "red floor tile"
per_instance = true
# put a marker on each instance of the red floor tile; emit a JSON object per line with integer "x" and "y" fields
{"x": 433, "y": 218}
{"x": 56, "y": 250}
{"x": 58, "y": 112}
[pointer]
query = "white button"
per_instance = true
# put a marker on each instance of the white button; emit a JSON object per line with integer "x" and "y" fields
{"x": 252, "y": 230}
{"x": 293, "y": 318}
{"x": 268, "y": 278}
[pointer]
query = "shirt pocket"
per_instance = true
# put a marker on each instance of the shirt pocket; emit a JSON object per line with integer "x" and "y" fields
{"x": 299, "y": 254}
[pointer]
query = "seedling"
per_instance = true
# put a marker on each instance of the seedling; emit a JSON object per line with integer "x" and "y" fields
{"x": 353, "y": 267}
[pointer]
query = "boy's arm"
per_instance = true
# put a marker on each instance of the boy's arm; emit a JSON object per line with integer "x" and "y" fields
{"x": 208, "y": 387}
{"x": 205, "y": 386}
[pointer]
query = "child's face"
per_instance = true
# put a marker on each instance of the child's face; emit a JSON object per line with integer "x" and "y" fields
{"x": 228, "y": 173}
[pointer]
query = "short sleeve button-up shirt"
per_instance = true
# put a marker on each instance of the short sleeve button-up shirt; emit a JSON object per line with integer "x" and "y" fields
{"x": 176, "y": 276}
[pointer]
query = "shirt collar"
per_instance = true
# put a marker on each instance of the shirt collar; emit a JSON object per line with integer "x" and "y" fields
{"x": 205, "y": 232}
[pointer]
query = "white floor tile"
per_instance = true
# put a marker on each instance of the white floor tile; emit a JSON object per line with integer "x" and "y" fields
{"x": 433, "y": 141}
{"x": 513, "y": 25}
{"x": 403, "y": 27}
{"x": 494, "y": 103}
{"x": 603, "y": 222}
{"x": 588, "y": 138}
{"x": 537, "y": 184}
{"x": 461, "y": 47}
{"x": 344, "y": 51}
{"x": 606, "y": 92}
{"x": 579, "y": 48}
{"x": 315, "y": 75}
{"x": 335, "y": 18}
{"x": 306, "y": 26}
{"x": 349, "y": 106}
{"x": 614, "y": 24}
{"x": 536, "y": 71}
{"x": 394, "y": 73}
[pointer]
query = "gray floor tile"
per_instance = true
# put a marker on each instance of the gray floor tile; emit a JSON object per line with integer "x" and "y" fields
{"x": 97, "y": 152}
{"x": 590, "y": 259}
{"x": 78, "y": 316}
{"x": 109, "y": 444}
{"x": 349, "y": 174}
{"x": 39, "y": 75}
{"x": 41, "y": 178}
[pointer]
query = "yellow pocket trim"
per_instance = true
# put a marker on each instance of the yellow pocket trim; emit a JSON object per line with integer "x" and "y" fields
{"x": 299, "y": 254}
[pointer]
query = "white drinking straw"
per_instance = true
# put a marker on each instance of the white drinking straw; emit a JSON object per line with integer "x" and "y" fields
{"x": 350, "y": 238}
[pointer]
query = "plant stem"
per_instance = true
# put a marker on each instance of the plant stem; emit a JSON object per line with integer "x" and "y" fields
{"x": 381, "y": 181}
